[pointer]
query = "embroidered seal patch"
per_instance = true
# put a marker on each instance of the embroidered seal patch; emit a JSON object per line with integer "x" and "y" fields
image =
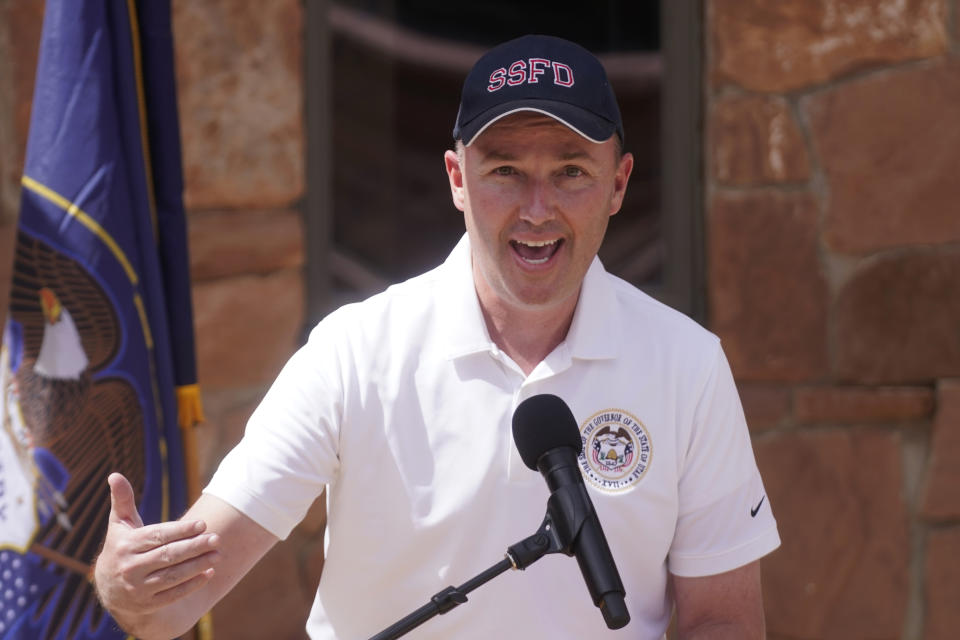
{"x": 616, "y": 450}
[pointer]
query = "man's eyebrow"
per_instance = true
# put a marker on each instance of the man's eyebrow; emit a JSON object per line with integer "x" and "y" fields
{"x": 575, "y": 155}
{"x": 495, "y": 155}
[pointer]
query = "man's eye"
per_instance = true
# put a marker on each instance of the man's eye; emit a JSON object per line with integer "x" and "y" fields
{"x": 503, "y": 171}
{"x": 573, "y": 172}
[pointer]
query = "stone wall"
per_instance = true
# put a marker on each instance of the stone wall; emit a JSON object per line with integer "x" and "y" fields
{"x": 240, "y": 89}
{"x": 833, "y": 245}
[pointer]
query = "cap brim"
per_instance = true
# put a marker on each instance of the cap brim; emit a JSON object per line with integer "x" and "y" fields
{"x": 586, "y": 123}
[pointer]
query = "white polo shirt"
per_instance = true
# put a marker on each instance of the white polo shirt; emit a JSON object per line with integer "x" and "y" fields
{"x": 402, "y": 406}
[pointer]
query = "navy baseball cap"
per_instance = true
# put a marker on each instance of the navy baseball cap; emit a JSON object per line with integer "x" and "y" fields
{"x": 544, "y": 74}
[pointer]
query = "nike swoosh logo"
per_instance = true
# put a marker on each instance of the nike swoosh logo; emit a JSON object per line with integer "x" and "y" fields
{"x": 756, "y": 509}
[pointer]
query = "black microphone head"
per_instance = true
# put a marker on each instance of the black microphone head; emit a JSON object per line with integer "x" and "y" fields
{"x": 541, "y": 423}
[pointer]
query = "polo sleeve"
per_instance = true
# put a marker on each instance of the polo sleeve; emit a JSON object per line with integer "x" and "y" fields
{"x": 289, "y": 450}
{"x": 724, "y": 517}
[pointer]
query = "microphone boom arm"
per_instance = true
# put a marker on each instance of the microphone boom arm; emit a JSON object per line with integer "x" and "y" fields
{"x": 562, "y": 507}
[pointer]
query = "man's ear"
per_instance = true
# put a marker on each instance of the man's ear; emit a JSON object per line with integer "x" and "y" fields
{"x": 620, "y": 180}
{"x": 455, "y": 175}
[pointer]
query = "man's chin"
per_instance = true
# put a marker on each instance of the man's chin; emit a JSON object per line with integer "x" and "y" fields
{"x": 544, "y": 298}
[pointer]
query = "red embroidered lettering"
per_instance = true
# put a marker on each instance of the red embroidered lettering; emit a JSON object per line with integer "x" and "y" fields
{"x": 518, "y": 73}
{"x": 562, "y": 74}
{"x": 537, "y": 67}
{"x": 497, "y": 79}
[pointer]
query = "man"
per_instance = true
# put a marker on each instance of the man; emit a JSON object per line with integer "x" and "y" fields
{"x": 401, "y": 407}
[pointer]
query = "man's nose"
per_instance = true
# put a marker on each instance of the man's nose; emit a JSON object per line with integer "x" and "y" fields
{"x": 540, "y": 205}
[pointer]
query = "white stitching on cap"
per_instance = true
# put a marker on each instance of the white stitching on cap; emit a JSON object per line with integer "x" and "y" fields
{"x": 546, "y": 113}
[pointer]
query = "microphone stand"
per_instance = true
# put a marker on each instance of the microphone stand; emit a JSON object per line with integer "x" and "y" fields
{"x": 562, "y": 508}
{"x": 441, "y": 603}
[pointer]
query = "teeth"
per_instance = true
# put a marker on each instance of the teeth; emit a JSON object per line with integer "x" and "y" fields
{"x": 538, "y": 245}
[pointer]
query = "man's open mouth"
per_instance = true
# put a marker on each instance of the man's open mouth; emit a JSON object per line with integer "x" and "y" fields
{"x": 536, "y": 252}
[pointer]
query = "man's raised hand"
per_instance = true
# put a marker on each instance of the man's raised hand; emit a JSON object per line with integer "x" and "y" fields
{"x": 142, "y": 569}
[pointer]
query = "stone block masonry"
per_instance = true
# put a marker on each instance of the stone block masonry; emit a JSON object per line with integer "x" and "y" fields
{"x": 833, "y": 240}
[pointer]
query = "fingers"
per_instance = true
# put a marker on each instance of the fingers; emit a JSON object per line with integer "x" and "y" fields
{"x": 173, "y": 571}
{"x": 130, "y": 591}
{"x": 157, "y": 535}
{"x": 142, "y": 569}
{"x": 172, "y": 575}
{"x": 182, "y": 589}
{"x": 123, "y": 507}
{"x": 168, "y": 558}
{"x": 175, "y": 550}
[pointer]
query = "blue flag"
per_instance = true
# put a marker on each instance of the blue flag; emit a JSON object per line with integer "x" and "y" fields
{"x": 99, "y": 336}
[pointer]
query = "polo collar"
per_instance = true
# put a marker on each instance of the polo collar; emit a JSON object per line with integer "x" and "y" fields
{"x": 595, "y": 332}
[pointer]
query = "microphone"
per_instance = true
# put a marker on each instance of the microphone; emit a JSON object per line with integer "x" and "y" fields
{"x": 548, "y": 440}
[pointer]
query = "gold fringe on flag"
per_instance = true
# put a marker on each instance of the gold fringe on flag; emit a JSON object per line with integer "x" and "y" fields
{"x": 189, "y": 407}
{"x": 189, "y": 415}
{"x": 204, "y": 628}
